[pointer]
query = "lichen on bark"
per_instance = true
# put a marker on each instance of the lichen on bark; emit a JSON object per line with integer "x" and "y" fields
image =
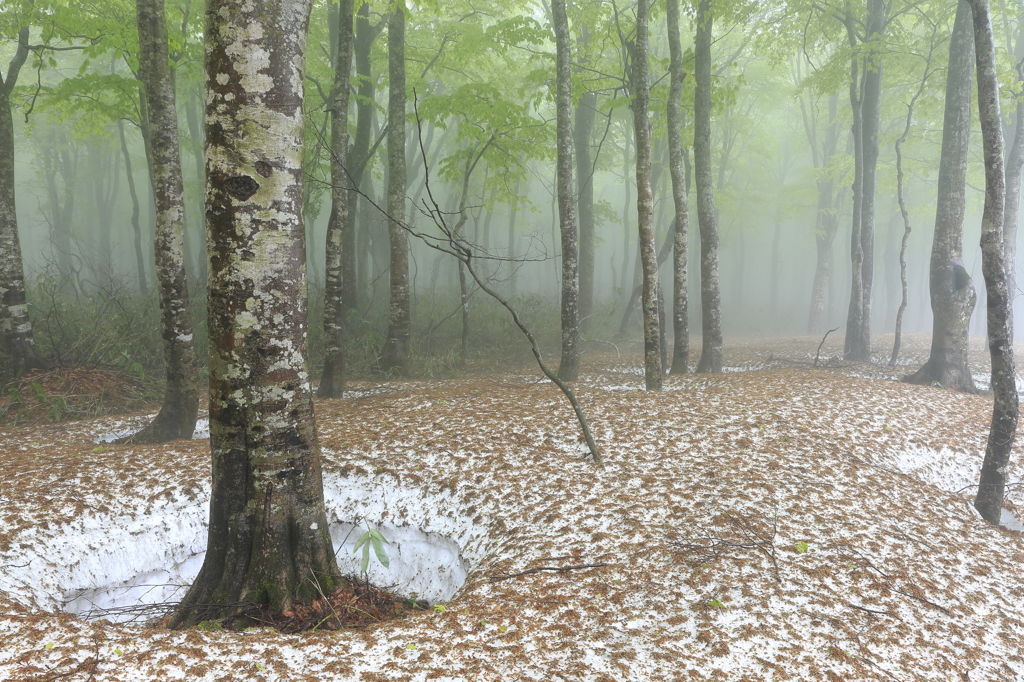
{"x": 268, "y": 538}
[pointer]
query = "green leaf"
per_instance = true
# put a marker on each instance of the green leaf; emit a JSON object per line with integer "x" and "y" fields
{"x": 801, "y": 547}
{"x": 382, "y": 556}
{"x": 410, "y": 646}
{"x": 714, "y": 602}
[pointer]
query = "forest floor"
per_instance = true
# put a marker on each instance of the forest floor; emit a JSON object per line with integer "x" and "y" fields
{"x": 777, "y": 522}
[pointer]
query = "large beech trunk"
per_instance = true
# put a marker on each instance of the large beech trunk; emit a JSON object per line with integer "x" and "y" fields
{"x": 992, "y": 482}
{"x": 332, "y": 382}
{"x": 395, "y": 357}
{"x": 15, "y": 326}
{"x": 710, "y": 296}
{"x": 268, "y": 537}
{"x": 952, "y": 292}
{"x": 569, "y": 366}
{"x": 680, "y": 226}
{"x": 177, "y": 416}
{"x": 645, "y": 202}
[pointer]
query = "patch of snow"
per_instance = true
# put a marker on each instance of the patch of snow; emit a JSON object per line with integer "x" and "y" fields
{"x": 1009, "y": 521}
{"x": 100, "y": 562}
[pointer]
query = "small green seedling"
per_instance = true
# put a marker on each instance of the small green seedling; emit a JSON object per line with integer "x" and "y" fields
{"x": 714, "y": 602}
{"x": 372, "y": 537}
{"x": 440, "y": 608}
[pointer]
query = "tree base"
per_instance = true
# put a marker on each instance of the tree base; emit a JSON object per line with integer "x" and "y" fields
{"x": 176, "y": 419}
{"x": 944, "y": 374}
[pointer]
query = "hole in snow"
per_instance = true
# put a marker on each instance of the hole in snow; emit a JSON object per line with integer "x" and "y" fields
{"x": 123, "y": 568}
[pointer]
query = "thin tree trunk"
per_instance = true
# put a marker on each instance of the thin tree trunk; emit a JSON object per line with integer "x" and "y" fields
{"x": 332, "y": 382}
{"x": 871, "y": 97}
{"x": 353, "y": 258}
{"x": 193, "y": 110}
{"x": 680, "y": 225}
{"x": 1014, "y": 168}
{"x": 569, "y": 365}
{"x": 901, "y": 200}
{"x": 268, "y": 539}
{"x": 395, "y": 357}
{"x": 15, "y": 325}
{"x": 140, "y": 262}
{"x": 710, "y": 296}
{"x": 645, "y": 201}
{"x": 177, "y": 416}
{"x": 582, "y": 131}
{"x": 853, "y": 345}
{"x": 992, "y": 482}
{"x": 952, "y": 293}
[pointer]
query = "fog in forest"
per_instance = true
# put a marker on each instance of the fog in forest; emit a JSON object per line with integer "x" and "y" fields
{"x": 782, "y": 162}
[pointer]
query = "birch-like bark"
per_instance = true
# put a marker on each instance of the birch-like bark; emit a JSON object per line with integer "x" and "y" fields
{"x": 950, "y": 287}
{"x": 268, "y": 539}
{"x": 395, "y": 356}
{"x": 177, "y": 416}
{"x": 645, "y": 201}
{"x": 15, "y": 325}
{"x": 569, "y": 366}
{"x": 992, "y": 482}
{"x": 710, "y": 296}
{"x": 332, "y": 382}
{"x": 680, "y": 226}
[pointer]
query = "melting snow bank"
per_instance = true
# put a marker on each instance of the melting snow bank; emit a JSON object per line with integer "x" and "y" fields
{"x": 105, "y": 566}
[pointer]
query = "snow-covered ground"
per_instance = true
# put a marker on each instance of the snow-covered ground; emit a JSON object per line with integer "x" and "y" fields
{"x": 792, "y": 523}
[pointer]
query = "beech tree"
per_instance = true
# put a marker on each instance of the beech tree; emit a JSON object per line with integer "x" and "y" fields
{"x": 949, "y": 284}
{"x": 710, "y": 296}
{"x": 865, "y": 101}
{"x": 332, "y": 381}
{"x": 15, "y": 325}
{"x": 268, "y": 540}
{"x": 569, "y": 366}
{"x": 645, "y": 200}
{"x": 395, "y": 356}
{"x": 680, "y": 226}
{"x": 1003, "y": 431}
{"x": 177, "y": 416}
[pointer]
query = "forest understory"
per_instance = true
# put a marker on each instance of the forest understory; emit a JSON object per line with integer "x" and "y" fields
{"x": 779, "y": 521}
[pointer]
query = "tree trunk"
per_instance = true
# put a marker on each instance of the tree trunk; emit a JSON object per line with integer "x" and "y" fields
{"x": 569, "y": 366}
{"x": 826, "y": 223}
{"x": 268, "y": 537}
{"x": 358, "y": 158}
{"x": 952, "y": 293}
{"x": 645, "y": 201}
{"x": 680, "y": 225}
{"x": 140, "y": 263}
{"x": 193, "y": 111}
{"x": 332, "y": 382}
{"x": 177, "y": 416}
{"x": 395, "y": 357}
{"x": 871, "y": 98}
{"x": 582, "y": 131}
{"x": 710, "y": 297}
{"x": 992, "y": 482}
{"x": 1014, "y": 168}
{"x": 15, "y": 325}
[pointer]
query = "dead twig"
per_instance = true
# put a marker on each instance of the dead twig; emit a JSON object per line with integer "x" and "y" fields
{"x": 818, "y": 354}
{"x": 538, "y": 569}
